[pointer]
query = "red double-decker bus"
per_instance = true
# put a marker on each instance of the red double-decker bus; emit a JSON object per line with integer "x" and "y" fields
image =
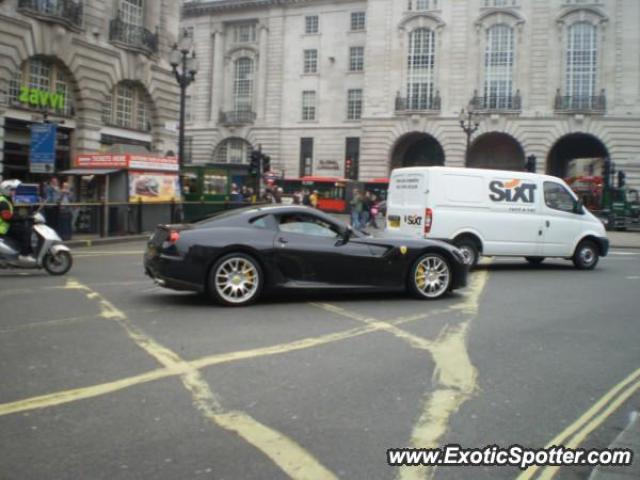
{"x": 334, "y": 193}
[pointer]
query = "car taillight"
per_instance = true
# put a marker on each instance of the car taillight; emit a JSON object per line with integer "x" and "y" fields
{"x": 428, "y": 220}
{"x": 174, "y": 236}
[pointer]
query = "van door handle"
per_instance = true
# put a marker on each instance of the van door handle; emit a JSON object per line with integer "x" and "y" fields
{"x": 548, "y": 223}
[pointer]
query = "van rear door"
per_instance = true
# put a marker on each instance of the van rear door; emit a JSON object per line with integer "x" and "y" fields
{"x": 407, "y": 202}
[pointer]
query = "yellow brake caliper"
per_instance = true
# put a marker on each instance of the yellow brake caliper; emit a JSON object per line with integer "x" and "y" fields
{"x": 421, "y": 276}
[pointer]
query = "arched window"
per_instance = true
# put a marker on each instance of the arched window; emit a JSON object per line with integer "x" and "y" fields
{"x": 581, "y": 63}
{"x": 232, "y": 150}
{"x": 498, "y": 67}
{"x": 46, "y": 76}
{"x": 128, "y": 107}
{"x": 243, "y": 85}
{"x": 420, "y": 69}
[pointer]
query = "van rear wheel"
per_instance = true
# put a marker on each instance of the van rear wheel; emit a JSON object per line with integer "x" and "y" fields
{"x": 586, "y": 255}
{"x": 469, "y": 251}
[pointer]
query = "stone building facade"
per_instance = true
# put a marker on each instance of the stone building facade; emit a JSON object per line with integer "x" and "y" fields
{"x": 99, "y": 69}
{"x": 356, "y": 87}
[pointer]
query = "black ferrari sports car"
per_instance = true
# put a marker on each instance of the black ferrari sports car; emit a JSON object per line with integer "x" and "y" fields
{"x": 240, "y": 254}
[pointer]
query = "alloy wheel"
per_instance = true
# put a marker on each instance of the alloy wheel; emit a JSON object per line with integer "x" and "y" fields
{"x": 236, "y": 280}
{"x": 432, "y": 276}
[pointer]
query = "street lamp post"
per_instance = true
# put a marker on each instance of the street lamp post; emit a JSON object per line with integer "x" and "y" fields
{"x": 469, "y": 121}
{"x": 185, "y": 67}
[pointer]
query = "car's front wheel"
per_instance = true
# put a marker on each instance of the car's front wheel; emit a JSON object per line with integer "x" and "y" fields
{"x": 430, "y": 276}
{"x": 236, "y": 280}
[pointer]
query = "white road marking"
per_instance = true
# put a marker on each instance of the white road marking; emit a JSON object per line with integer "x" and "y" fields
{"x": 618, "y": 252}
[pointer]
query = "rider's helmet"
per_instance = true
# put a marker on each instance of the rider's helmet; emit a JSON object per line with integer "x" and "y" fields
{"x": 8, "y": 186}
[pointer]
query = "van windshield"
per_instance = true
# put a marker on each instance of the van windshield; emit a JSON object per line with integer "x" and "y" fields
{"x": 407, "y": 189}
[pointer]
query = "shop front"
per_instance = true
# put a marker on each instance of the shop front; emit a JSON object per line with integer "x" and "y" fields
{"x": 124, "y": 193}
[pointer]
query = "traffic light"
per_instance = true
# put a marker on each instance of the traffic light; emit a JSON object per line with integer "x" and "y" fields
{"x": 531, "y": 164}
{"x": 254, "y": 164}
{"x": 266, "y": 163}
{"x": 622, "y": 178}
{"x": 606, "y": 171}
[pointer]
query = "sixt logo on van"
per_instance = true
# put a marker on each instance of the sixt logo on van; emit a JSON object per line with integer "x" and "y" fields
{"x": 512, "y": 191}
{"x": 413, "y": 220}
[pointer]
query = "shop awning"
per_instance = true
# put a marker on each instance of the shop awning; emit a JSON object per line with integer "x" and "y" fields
{"x": 90, "y": 171}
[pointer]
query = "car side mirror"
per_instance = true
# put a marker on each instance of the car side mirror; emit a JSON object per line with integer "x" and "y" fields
{"x": 347, "y": 233}
{"x": 578, "y": 207}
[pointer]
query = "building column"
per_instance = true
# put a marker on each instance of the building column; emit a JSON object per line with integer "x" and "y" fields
{"x": 262, "y": 74}
{"x": 217, "y": 78}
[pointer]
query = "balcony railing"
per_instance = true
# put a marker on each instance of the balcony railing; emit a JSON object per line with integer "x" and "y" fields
{"x": 133, "y": 36}
{"x": 497, "y": 103}
{"x": 240, "y": 117}
{"x": 418, "y": 104}
{"x": 67, "y": 12}
{"x": 580, "y": 103}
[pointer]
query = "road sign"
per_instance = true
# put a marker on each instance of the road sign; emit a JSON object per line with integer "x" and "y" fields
{"x": 42, "y": 154}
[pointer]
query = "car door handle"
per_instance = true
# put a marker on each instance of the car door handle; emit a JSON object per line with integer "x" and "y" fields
{"x": 283, "y": 240}
{"x": 548, "y": 223}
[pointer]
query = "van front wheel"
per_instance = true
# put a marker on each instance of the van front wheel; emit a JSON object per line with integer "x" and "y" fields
{"x": 469, "y": 251}
{"x": 586, "y": 255}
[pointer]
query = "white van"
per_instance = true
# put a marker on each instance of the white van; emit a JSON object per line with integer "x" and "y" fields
{"x": 495, "y": 212}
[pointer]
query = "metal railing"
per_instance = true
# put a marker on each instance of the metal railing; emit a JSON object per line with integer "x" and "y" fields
{"x": 580, "y": 103}
{"x": 133, "y": 36}
{"x": 240, "y": 117}
{"x": 68, "y": 12}
{"x": 418, "y": 103}
{"x": 497, "y": 103}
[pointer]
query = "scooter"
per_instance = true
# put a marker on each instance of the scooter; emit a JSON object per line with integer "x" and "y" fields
{"x": 49, "y": 251}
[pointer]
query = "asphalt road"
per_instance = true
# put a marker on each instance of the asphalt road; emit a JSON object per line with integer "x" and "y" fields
{"x": 105, "y": 376}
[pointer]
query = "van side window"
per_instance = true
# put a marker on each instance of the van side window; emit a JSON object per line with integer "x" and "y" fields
{"x": 557, "y": 197}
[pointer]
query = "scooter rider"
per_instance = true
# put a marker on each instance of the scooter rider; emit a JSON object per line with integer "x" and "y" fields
{"x": 10, "y": 226}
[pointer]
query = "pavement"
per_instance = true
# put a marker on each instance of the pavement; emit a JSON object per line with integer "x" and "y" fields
{"x": 107, "y": 376}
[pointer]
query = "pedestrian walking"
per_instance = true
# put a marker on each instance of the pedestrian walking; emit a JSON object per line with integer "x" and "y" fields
{"x": 306, "y": 198}
{"x": 356, "y": 209}
{"x": 374, "y": 211}
{"x": 365, "y": 214}
{"x": 65, "y": 219}
{"x": 314, "y": 198}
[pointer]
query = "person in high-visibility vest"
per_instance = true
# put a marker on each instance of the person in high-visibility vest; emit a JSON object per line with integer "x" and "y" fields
{"x": 6, "y": 205}
{"x": 8, "y": 227}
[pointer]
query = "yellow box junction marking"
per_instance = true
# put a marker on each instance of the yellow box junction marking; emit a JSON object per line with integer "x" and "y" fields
{"x": 283, "y": 451}
{"x": 182, "y": 368}
{"x": 455, "y": 376}
{"x": 578, "y": 431}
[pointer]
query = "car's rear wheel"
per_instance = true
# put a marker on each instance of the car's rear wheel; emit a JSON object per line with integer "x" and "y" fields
{"x": 236, "y": 280}
{"x": 534, "y": 260}
{"x": 586, "y": 255}
{"x": 430, "y": 276}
